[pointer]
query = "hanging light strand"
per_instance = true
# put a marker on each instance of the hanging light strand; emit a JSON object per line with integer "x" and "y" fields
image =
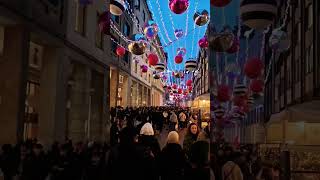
{"x": 194, "y": 26}
{"x": 161, "y": 18}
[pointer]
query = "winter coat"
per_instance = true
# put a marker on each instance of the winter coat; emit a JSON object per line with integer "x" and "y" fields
{"x": 35, "y": 168}
{"x": 172, "y": 162}
{"x": 231, "y": 171}
{"x": 189, "y": 139}
{"x": 173, "y": 118}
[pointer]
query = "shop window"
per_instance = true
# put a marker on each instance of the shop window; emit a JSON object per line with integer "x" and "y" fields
{"x": 81, "y": 16}
{"x": 35, "y": 55}
{"x": 1, "y": 40}
{"x": 126, "y": 29}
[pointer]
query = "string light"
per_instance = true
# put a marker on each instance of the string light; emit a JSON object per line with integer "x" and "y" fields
{"x": 161, "y": 18}
{"x": 194, "y": 26}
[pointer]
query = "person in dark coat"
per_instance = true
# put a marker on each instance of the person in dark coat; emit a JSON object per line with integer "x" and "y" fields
{"x": 199, "y": 159}
{"x": 191, "y": 137}
{"x": 114, "y": 133}
{"x": 122, "y": 159}
{"x": 62, "y": 165}
{"x": 95, "y": 164}
{"x": 36, "y": 165}
{"x": 8, "y": 162}
{"x": 172, "y": 160}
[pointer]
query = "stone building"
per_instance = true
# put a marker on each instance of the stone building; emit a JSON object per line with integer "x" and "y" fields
{"x": 54, "y": 65}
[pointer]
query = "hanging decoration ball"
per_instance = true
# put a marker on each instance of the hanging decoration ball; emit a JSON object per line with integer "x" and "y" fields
{"x": 219, "y": 3}
{"x": 121, "y": 51}
{"x": 256, "y": 86}
{"x": 144, "y": 68}
{"x": 165, "y": 86}
{"x": 117, "y": 7}
{"x": 178, "y": 59}
{"x": 181, "y": 51}
{"x": 240, "y": 90}
{"x": 189, "y": 82}
{"x": 164, "y": 77}
{"x": 279, "y": 40}
{"x": 185, "y": 93}
{"x": 153, "y": 59}
{"x": 160, "y": 67}
{"x": 189, "y": 88}
{"x": 150, "y": 29}
{"x": 104, "y": 23}
{"x": 138, "y": 44}
{"x": 223, "y": 93}
{"x": 174, "y": 86}
{"x": 179, "y": 91}
{"x": 258, "y": 14}
{"x": 203, "y": 42}
{"x": 201, "y": 17}
{"x": 178, "y": 6}
{"x": 156, "y": 76}
{"x": 221, "y": 42}
{"x": 235, "y": 47}
{"x": 174, "y": 91}
{"x": 85, "y": 2}
{"x": 250, "y": 101}
{"x": 191, "y": 65}
{"x": 178, "y": 33}
{"x": 253, "y": 68}
{"x": 239, "y": 100}
{"x": 169, "y": 88}
{"x": 219, "y": 112}
{"x": 178, "y": 74}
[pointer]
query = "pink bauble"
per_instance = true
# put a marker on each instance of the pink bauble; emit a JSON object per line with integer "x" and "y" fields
{"x": 178, "y": 6}
{"x": 253, "y": 68}
{"x": 203, "y": 42}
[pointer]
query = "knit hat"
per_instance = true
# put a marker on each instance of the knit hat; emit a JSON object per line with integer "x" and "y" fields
{"x": 147, "y": 130}
{"x": 173, "y": 137}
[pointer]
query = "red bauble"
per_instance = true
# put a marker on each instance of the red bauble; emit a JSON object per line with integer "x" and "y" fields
{"x": 256, "y": 86}
{"x": 219, "y": 3}
{"x": 144, "y": 68}
{"x": 153, "y": 59}
{"x": 121, "y": 51}
{"x": 189, "y": 82}
{"x": 185, "y": 93}
{"x": 240, "y": 101}
{"x": 235, "y": 47}
{"x": 223, "y": 93}
{"x": 179, "y": 91}
{"x": 174, "y": 86}
{"x": 178, "y": 59}
{"x": 253, "y": 68}
{"x": 169, "y": 87}
{"x": 190, "y": 88}
{"x": 203, "y": 42}
{"x": 171, "y": 94}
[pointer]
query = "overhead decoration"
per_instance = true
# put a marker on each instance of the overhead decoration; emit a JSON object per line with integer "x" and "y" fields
{"x": 174, "y": 86}
{"x": 174, "y": 91}
{"x": 121, "y": 51}
{"x": 237, "y": 113}
{"x": 144, "y": 68}
{"x": 179, "y": 91}
{"x": 178, "y": 59}
{"x": 223, "y": 93}
{"x": 138, "y": 44}
{"x": 189, "y": 88}
{"x": 150, "y": 29}
{"x": 178, "y": 33}
{"x": 219, "y": 112}
{"x": 156, "y": 76}
{"x": 104, "y": 23}
{"x": 160, "y": 67}
{"x": 117, "y": 7}
{"x": 221, "y": 42}
{"x": 219, "y": 3}
{"x": 240, "y": 101}
{"x": 258, "y": 14}
{"x": 178, "y": 6}
{"x": 201, "y": 17}
{"x": 253, "y": 68}
{"x": 153, "y": 59}
{"x": 240, "y": 90}
{"x": 203, "y": 42}
{"x": 279, "y": 40}
{"x": 181, "y": 51}
{"x": 189, "y": 82}
{"x": 250, "y": 101}
{"x": 191, "y": 65}
{"x": 256, "y": 86}
{"x": 169, "y": 88}
{"x": 235, "y": 47}
{"x": 178, "y": 74}
{"x": 165, "y": 86}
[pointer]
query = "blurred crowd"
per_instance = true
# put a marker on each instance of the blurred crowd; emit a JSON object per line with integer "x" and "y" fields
{"x": 135, "y": 152}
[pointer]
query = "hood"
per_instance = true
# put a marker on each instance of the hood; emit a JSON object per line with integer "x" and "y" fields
{"x": 147, "y": 130}
{"x": 173, "y": 137}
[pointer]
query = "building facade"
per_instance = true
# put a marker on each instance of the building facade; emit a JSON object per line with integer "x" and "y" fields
{"x": 292, "y": 89}
{"x": 54, "y": 71}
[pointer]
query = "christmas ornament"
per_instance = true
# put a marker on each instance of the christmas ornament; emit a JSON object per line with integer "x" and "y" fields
{"x": 201, "y": 17}
{"x": 117, "y": 7}
{"x": 178, "y": 6}
{"x": 253, "y": 68}
{"x": 121, "y": 51}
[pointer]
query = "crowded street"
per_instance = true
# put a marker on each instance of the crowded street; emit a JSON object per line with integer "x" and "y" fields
{"x": 159, "y": 89}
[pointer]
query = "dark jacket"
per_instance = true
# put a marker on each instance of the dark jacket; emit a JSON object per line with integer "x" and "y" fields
{"x": 172, "y": 162}
{"x": 35, "y": 167}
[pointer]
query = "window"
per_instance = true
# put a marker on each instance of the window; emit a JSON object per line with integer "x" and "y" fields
{"x": 114, "y": 46}
{"x": 126, "y": 57}
{"x": 310, "y": 15}
{"x": 1, "y": 40}
{"x": 35, "y": 55}
{"x": 144, "y": 16}
{"x": 137, "y": 4}
{"x": 309, "y": 60}
{"x": 81, "y": 15}
{"x": 115, "y": 18}
{"x": 126, "y": 29}
{"x": 99, "y": 34}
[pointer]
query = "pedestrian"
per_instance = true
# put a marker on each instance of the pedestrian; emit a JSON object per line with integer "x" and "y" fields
{"x": 230, "y": 170}
{"x": 199, "y": 159}
{"x": 172, "y": 161}
{"x": 182, "y": 119}
{"x": 7, "y": 162}
{"x": 114, "y": 132}
{"x": 173, "y": 121}
{"x": 148, "y": 140}
{"x": 191, "y": 137}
